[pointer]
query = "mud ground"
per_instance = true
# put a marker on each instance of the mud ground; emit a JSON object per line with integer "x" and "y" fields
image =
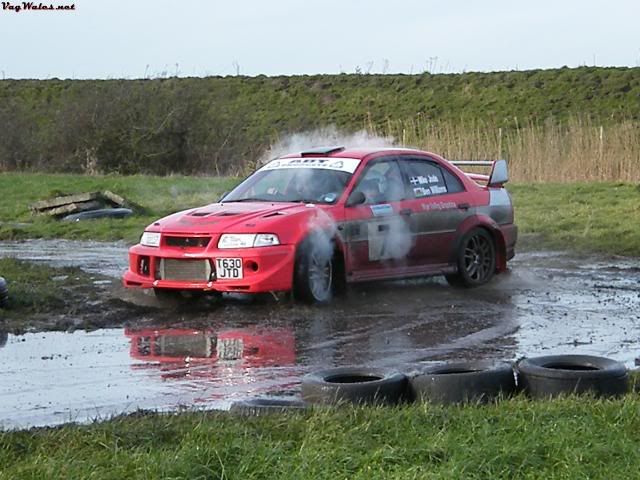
{"x": 139, "y": 354}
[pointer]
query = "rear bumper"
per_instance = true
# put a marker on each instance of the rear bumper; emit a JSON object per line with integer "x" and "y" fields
{"x": 265, "y": 269}
{"x": 510, "y": 235}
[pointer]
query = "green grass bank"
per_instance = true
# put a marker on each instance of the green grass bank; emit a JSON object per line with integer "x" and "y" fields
{"x": 569, "y": 438}
{"x": 218, "y": 124}
{"x": 598, "y": 217}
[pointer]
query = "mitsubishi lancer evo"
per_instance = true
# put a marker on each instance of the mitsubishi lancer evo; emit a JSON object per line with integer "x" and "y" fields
{"x": 313, "y": 222}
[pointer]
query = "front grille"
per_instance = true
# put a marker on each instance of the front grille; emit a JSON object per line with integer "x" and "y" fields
{"x": 185, "y": 242}
{"x": 185, "y": 270}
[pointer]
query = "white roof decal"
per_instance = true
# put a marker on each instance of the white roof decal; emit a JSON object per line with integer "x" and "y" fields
{"x": 348, "y": 165}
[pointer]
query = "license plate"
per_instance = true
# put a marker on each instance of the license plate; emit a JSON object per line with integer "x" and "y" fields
{"x": 227, "y": 268}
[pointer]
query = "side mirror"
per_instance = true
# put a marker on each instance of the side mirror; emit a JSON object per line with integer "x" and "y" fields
{"x": 222, "y": 197}
{"x": 356, "y": 198}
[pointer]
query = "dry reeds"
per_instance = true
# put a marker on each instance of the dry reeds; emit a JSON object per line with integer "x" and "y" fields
{"x": 573, "y": 151}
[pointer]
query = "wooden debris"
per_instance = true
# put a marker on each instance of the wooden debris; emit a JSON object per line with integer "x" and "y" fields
{"x": 73, "y": 208}
{"x": 64, "y": 200}
{"x": 78, "y": 202}
{"x": 114, "y": 198}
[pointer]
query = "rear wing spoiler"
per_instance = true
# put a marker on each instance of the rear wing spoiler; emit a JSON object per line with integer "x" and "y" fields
{"x": 499, "y": 173}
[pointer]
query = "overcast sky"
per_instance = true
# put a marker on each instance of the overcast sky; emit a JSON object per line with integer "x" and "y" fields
{"x": 151, "y": 38}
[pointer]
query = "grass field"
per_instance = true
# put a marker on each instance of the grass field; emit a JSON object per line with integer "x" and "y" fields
{"x": 53, "y": 298}
{"x": 600, "y": 217}
{"x": 34, "y": 288}
{"x": 216, "y": 125}
{"x": 570, "y": 438}
{"x": 158, "y": 196}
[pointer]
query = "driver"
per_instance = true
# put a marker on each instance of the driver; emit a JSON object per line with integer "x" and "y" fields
{"x": 394, "y": 190}
{"x": 371, "y": 191}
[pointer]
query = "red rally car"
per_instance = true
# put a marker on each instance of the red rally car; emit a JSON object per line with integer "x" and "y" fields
{"x": 315, "y": 221}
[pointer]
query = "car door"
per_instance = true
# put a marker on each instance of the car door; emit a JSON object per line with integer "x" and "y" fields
{"x": 437, "y": 205}
{"x": 378, "y": 235}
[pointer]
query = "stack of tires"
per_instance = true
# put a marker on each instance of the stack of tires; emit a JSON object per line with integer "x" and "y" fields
{"x": 455, "y": 383}
{"x": 553, "y": 375}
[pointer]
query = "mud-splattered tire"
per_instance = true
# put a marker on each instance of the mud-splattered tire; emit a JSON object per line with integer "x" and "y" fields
{"x": 267, "y": 406}
{"x": 463, "y": 382}
{"x": 314, "y": 270}
{"x": 4, "y": 293}
{"x": 354, "y": 385}
{"x": 553, "y": 375}
{"x": 475, "y": 259}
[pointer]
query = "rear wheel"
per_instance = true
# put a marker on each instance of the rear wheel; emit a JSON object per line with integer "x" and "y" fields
{"x": 476, "y": 259}
{"x": 314, "y": 270}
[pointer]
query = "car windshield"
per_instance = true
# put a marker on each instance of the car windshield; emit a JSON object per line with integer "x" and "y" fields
{"x": 309, "y": 185}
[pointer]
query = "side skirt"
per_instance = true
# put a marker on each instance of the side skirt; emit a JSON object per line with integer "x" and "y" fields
{"x": 401, "y": 272}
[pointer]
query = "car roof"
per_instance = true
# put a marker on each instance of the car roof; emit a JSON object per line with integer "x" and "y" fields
{"x": 359, "y": 152}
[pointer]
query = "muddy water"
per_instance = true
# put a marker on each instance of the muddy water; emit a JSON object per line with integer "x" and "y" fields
{"x": 209, "y": 354}
{"x": 94, "y": 257}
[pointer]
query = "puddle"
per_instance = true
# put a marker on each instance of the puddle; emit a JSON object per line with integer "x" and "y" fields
{"x": 104, "y": 258}
{"x": 211, "y": 354}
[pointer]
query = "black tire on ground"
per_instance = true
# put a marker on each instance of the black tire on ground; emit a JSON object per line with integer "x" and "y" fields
{"x": 266, "y": 406}
{"x": 313, "y": 280}
{"x": 475, "y": 259}
{"x": 553, "y": 375}
{"x": 358, "y": 385}
{"x": 4, "y": 293}
{"x": 462, "y": 382}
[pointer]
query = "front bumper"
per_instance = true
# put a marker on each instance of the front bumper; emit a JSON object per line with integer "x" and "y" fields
{"x": 265, "y": 269}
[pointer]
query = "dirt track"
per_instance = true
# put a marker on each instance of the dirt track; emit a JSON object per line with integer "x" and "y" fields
{"x": 550, "y": 302}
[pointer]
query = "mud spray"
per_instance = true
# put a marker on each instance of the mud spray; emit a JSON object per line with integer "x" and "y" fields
{"x": 398, "y": 239}
{"x": 323, "y": 137}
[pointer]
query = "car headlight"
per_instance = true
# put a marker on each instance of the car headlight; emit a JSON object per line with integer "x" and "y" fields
{"x": 266, "y": 240}
{"x": 247, "y": 240}
{"x": 150, "y": 239}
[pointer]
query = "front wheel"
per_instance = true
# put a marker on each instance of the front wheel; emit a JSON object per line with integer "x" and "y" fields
{"x": 476, "y": 259}
{"x": 314, "y": 272}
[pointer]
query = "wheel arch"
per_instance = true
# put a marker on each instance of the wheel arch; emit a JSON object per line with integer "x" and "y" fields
{"x": 488, "y": 224}
{"x": 330, "y": 234}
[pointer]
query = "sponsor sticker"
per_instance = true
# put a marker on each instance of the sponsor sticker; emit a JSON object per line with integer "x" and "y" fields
{"x": 421, "y": 191}
{"x": 381, "y": 210}
{"x": 348, "y": 165}
{"x": 439, "y": 206}
{"x": 435, "y": 190}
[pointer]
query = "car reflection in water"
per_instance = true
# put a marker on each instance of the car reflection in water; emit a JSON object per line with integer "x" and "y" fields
{"x": 218, "y": 362}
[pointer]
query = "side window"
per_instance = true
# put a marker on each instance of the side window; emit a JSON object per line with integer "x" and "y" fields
{"x": 454, "y": 185}
{"x": 426, "y": 179}
{"x": 382, "y": 183}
